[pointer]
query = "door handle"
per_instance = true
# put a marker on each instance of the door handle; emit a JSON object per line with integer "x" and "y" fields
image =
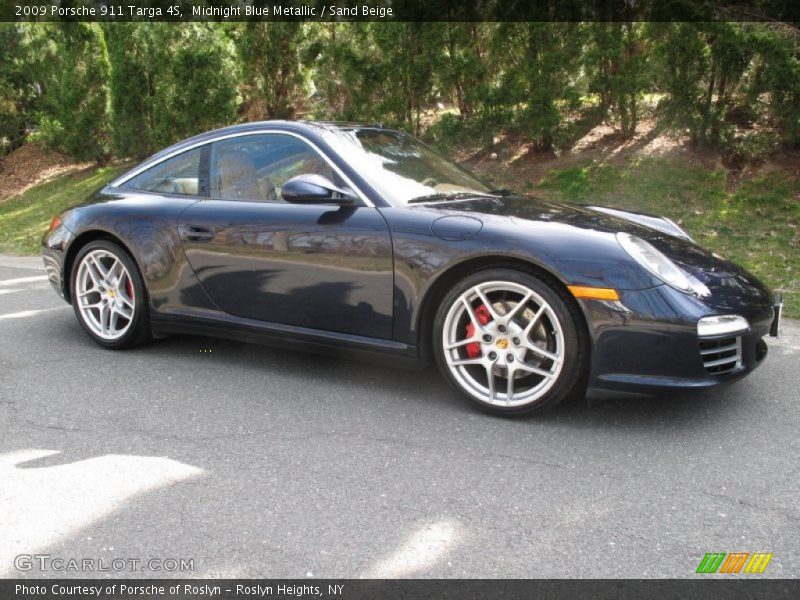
{"x": 196, "y": 233}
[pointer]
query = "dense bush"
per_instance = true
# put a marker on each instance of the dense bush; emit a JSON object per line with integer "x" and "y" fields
{"x": 131, "y": 51}
{"x": 275, "y": 79}
{"x": 16, "y": 88}
{"x": 619, "y": 70}
{"x": 168, "y": 83}
{"x": 196, "y": 81}
{"x": 73, "y": 76}
{"x": 735, "y": 86}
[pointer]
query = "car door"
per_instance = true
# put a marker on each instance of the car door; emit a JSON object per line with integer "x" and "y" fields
{"x": 324, "y": 266}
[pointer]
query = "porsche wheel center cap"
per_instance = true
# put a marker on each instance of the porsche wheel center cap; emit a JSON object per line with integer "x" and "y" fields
{"x": 502, "y": 343}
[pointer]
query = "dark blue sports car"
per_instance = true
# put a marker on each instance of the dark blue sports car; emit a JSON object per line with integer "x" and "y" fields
{"x": 344, "y": 237}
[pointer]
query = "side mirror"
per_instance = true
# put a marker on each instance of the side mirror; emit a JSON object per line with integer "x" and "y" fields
{"x": 315, "y": 189}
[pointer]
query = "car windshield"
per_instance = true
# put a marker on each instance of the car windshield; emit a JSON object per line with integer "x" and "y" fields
{"x": 401, "y": 168}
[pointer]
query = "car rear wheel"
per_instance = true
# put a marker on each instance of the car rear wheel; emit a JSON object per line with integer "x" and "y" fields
{"x": 510, "y": 342}
{"x": 108, "y": 296}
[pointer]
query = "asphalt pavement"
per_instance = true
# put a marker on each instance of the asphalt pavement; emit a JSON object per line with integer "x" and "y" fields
{"x": 248, "y": 461}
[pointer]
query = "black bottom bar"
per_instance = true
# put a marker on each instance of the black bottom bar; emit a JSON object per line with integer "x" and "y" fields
{"x": 406, "y": 589}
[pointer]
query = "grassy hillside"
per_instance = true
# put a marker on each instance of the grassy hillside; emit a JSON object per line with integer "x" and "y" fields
{"x": 25, "y": 218}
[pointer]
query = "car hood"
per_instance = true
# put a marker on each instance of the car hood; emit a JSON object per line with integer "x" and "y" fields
{"x": 705, "y": 265}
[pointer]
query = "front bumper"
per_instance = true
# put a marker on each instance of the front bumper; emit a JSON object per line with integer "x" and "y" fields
{"x": 775, "y": 328}
{"x": 54, "y": 246}
{"x": 647, "y": 342}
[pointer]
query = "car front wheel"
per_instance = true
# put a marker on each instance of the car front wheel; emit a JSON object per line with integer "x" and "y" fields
{"x": 508, "y": 341}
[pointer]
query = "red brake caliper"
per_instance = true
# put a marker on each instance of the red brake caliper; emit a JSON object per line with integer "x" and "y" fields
{"x": 129, "y": 288}
{"x": 482, "y": 313}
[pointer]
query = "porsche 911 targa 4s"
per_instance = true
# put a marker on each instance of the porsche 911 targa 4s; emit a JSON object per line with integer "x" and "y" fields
{"x": 330, "y": 236}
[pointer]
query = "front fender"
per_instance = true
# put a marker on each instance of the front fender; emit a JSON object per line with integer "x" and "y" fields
{"x": 572, "y": 255}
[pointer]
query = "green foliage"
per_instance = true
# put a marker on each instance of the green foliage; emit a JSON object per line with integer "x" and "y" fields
{"x": 617, "y": 60}
{"x": 345, "y": 71}
{"x": 464, "y": 70}
{"x": 537, "y": 81}
{"x": 377, "y": 72}
{"x": 24, "y": 218}
{"x": 716, "y": 73}
{"x": 16, "y": 87}
{"x": 752, "y": 147}
{"x": 168, "y": 83}
{"x": 409, "y": 53}
{"x": 73, "y": 72}
{"x": 196, "y": 82}
{"x": 571, "y": 183}
{"x": 735, "y": 86}
{"x": 454, "y": 129}
{"x": 682, "y": 63}
{"x": 275, "y": 81}
{"x": 131, "y": 51}
{"x": 774, "y": 89}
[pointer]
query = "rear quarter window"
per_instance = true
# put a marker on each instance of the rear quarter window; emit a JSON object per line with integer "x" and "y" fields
{"x": 178, "y": 175}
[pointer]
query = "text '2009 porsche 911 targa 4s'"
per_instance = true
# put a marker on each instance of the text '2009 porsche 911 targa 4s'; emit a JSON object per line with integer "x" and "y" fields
{"x": 343, "y": 237}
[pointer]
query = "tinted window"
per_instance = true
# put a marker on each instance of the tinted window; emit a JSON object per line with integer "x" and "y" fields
{"x": 253, "y": 168}
{"x": 177, "y": 175}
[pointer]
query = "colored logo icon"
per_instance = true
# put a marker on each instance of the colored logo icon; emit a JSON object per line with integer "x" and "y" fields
{"x": 734, "y": 562}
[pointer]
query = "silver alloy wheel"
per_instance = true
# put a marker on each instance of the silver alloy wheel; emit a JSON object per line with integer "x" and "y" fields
{"x": 503, "y": 343}
{"x": 104, "y": 295}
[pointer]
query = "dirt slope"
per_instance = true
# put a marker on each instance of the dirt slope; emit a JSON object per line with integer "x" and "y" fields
{"x": 31, "y": 165}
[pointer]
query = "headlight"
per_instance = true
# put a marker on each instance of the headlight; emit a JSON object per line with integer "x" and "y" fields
{"x": 655, "y": 262}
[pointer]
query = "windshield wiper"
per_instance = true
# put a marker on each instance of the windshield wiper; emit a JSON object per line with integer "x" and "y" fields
{"x": 449, "y": 196}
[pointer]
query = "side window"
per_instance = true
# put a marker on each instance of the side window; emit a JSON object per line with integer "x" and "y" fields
{"x": 253, "y": 168}
{"x": 177, "y": 175}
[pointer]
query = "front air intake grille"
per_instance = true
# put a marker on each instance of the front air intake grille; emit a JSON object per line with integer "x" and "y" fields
{"x": 721, "y": 356}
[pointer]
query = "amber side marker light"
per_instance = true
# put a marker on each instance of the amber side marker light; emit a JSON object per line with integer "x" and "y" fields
{"x": 593, "y": 293}
{"x": 54, "y": 223}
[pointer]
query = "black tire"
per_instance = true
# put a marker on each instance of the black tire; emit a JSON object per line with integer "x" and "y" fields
{"x": 570, "y": 380}
{"x": 138, "y": 332}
